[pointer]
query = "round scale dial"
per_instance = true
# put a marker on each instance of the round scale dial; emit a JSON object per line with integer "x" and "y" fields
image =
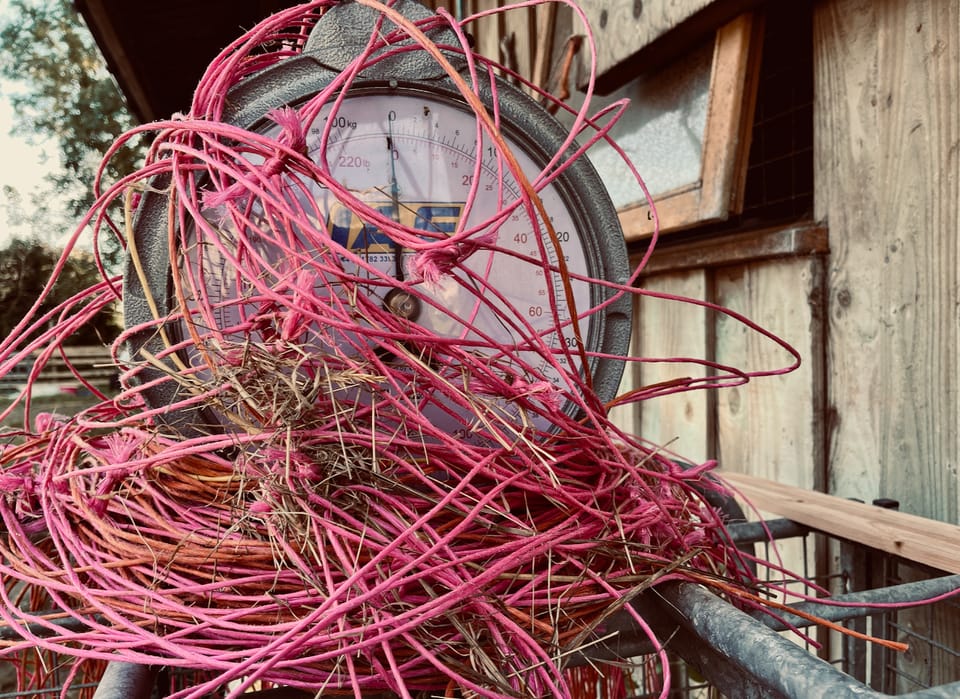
{"x": 416, "y": 159}
{"x": 417, "y": 230}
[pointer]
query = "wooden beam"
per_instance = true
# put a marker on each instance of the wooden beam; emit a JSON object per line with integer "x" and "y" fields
{"x": 929, "y": 542}
{"x": 635, "y": 36}
{"x": 98, "y": 17}
{"x": 543, "y": 57}
{"x": 799, "y": 240}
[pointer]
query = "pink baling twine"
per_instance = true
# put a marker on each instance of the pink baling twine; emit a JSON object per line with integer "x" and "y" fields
{"x": 314, "y": 543}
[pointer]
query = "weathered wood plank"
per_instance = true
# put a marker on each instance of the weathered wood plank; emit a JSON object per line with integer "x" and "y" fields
{"x": 926, "y": 541}
{"x": 518, "y": 45}
{"x": 627, "y": 417}
{"x": 766, "y": 427}
{"x": 488, "y": 30}
{"x": 888, "y": 181}
{"x": 544, "y": 39}
{"x": 741, "y": 248}
{"x": 633, "y": 35}
{"x": 674, "y": 329}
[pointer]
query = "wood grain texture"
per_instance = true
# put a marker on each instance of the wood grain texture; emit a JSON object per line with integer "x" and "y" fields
{"x": 516, "y": 42}
{"x": 933, "y": 663}
{"x": 766, "y": 427}
{"x": 623, "y": 28}
{"x": 801, "y": 240}
{"x": 487, "y": 31}
{"x": 643, "y": 35}
{"x": 674, "y": 329}
{"x": 932, "y": 543}
{"x": 627, "y": 417}
{"x": 888, "y": 184}
{"x": 546, "y": 23}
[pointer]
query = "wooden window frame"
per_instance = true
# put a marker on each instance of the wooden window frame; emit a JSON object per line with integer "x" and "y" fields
{"x": 719, "y": 191}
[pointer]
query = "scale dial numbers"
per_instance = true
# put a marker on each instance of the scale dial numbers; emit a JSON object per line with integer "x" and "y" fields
{"x": 415, "y": 160}
{"x": 414, "y": 157}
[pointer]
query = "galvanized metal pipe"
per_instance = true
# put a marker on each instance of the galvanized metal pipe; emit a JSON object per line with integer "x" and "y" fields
{"x": 126, "y": 681}
{"x": 744, "y": 658}
{"x": 894, "y": 594}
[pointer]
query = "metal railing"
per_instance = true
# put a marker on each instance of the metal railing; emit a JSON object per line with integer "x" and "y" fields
{"x": 719, "y": 650}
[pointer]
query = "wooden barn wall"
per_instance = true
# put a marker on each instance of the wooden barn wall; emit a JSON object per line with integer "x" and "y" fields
{"x": 768, "y": 427}
{"x": 888, "y": 185}
{"x": 521, "y": 39}
{"x": 772, "y": 426}
{"x": 883, "y": 418}
{"x": 667, "y": 328}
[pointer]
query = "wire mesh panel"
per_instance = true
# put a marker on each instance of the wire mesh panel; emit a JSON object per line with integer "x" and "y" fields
{"x": 932, "y": 632}
{"x": 741, "y": 662}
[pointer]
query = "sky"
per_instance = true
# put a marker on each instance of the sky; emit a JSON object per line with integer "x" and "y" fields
{"x": 22, "y": 165}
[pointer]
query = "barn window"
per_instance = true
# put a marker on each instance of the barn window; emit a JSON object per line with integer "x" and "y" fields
{"x": 688, "y": 132}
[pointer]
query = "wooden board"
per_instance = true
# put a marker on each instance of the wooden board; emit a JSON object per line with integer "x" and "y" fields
{"x": 627, "y": 416}
{"x": 887, "y": 159}
{"x": 766, "y": 427}
{"x": 543, "y": 39}
{"x": 674, "y": 329}
{"x": 634, "y": 35}
{"x": 801, "y": 240}
{"x": 933, "y": 633}
{"x": 887, "y": 181}
{"x": 772, "y": 426}
{"x": 926, "y": 541}
{"x": 488, "y": 30}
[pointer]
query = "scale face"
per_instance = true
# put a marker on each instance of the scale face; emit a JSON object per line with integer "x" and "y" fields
{"x": 412, "y": 152}
{"x": 413, "y": 157}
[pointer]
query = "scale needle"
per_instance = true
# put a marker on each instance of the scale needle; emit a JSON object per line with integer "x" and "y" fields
{"x": 395, "y": 200}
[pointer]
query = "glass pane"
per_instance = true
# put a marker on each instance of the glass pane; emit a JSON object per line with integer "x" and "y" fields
{"x": 662, "y": 131}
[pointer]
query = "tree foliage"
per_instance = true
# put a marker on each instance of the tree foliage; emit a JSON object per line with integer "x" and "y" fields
{"x": 65, "y": 93}
{"x": 25, "y": 270}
